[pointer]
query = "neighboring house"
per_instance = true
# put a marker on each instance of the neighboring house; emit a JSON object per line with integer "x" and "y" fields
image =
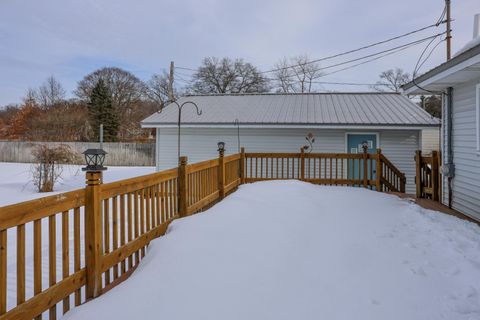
{"x": 280, "y": 122}
{"x": 458, "y": 80}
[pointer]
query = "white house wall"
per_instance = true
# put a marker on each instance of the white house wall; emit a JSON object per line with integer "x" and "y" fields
{"x": 201, "y": 144}
{"x": 466, "y": 183}
{"x": 430, "y": 140}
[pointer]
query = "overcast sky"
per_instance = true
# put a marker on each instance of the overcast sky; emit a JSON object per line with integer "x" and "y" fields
{"x": 70, "y": 38}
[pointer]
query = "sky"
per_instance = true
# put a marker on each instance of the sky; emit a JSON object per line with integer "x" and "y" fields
{"x": 71, "y": 38}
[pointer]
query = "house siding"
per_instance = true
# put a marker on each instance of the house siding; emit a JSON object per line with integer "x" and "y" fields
{"x": 465, "y": 184}
{"x": 200, "y": 144}
{"x": 430, "y": 140}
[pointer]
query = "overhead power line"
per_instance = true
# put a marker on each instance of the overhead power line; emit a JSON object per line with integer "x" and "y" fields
{"x": 181, "y": 78}
{"x": 376, "y": 56}
{"x": 188, "y": 69}
{"x": 342, "y": 53}
{"x": 367, "y": 61}
{"x": 363, "y": 62}
{"x": 358, "y": 49}
{"x": 349, "y": 83}
{"x": 393, "y": 50}
{"x": 430, "y": 53}
{"x": 418, "y": 65}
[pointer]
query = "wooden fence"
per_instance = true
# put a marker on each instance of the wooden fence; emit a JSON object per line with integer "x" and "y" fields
{"x": 104, "y": 229}
{"x": 428, "y": 176}
{"x": 119, "y": 153}
{"x": 373, "y": 171}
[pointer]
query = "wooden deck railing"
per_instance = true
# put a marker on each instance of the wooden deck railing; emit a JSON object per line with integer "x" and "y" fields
{"x": 428, "y": 176}
{"x": 30, "y": 221}
{"x": 373, "y": 171}
{"x": 104, "y": 230}
{"x": 105, "y": 227}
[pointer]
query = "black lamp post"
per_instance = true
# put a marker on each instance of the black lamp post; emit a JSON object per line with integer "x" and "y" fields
{"x": 221, "y": 146}
{"x": 94, "y": 159}
{"x": 179, "y": 122}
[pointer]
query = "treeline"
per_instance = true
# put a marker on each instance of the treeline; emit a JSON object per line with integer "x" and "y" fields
{"x": 111, "y": 96}
{"x": 119, "y": 100}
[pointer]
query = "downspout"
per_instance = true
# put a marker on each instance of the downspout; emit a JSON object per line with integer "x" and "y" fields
{"x": 157, "y": 149}
{"x": 450, "y": 167}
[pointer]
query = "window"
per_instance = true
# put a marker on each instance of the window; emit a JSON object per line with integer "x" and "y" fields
{"x": 477, "y": 122}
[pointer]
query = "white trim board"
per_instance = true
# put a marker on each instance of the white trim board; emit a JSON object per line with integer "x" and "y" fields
{"x": 459, "y": 67}
{"x": 312, "y": 126}
{"x": 477, "y": 118}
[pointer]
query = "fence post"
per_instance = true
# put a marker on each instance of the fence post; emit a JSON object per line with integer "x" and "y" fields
{"x": 221, "y": 173}
{"x": 378, "y": 170}
{"x": 302, "y": 164}
{"x": 182, "y": 186}
{"x": 242, "y": 166}
{"x": 418, "y": 173}
{"x": 93, "y": 234}
{"x": 435, "y": 177}
{"x": 365, "y": 167}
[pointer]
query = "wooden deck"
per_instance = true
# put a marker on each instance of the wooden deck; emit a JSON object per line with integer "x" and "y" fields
{"x": 436, "y": 206}
{"x": 140, "y": 210}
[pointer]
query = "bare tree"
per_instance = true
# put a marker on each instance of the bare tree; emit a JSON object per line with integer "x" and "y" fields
{"x": 297, "y": 74}
{"x": 157, "y": 89}
{"x": 124, "y": 87}
{"x": 228, "y": 76}
{"x": 50, "y": 92}
{"x": 126, "y": 90}
{"x": 30, "y": 96}
{"x": 48, "y": 165}
{"x": 392, "y": 80}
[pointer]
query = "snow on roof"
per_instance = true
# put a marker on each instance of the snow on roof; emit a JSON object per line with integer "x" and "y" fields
{"x": 469, "y": 45}
{"x": 361, "y": 109}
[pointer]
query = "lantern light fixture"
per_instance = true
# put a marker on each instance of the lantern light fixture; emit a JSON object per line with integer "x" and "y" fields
{"x": 94, "y": 159}
{"x": 221, "y": 146}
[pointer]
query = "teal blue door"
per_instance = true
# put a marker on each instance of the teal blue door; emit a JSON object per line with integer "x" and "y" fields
{"x": 354, "y": 145}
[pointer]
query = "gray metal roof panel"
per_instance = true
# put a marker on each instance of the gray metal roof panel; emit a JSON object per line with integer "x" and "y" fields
{"x": 313, "y": 108}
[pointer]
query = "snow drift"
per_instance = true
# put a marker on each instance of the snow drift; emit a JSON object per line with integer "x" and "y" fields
{"x": 292, "y": 250}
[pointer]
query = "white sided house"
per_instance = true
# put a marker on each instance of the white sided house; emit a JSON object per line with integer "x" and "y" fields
{"x": 340, "y": 122}
{"x": 458, "y": 81}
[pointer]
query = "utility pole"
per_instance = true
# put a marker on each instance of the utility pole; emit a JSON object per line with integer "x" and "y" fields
{"x": 170, "y": 82}
{"x": 101, "y": 136}
{"x": 449, "y": 35}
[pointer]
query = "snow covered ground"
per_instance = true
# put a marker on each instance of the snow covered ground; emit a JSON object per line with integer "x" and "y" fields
{"x": 15, "y": 184}
{"x": 292, "y": 250}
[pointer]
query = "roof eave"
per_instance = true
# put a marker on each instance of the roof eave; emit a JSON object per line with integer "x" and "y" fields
{"x": 422, "y": 83}
{"x": 297, "y": 126}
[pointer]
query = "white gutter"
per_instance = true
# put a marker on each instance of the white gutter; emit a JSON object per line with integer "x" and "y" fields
{"x": 456, "y": 68}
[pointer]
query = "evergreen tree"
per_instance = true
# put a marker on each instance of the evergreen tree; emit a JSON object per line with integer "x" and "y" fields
{"x": 101, "y": 111}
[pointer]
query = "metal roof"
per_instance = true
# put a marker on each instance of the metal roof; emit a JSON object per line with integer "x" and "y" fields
{"x": 319, "y": 109}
